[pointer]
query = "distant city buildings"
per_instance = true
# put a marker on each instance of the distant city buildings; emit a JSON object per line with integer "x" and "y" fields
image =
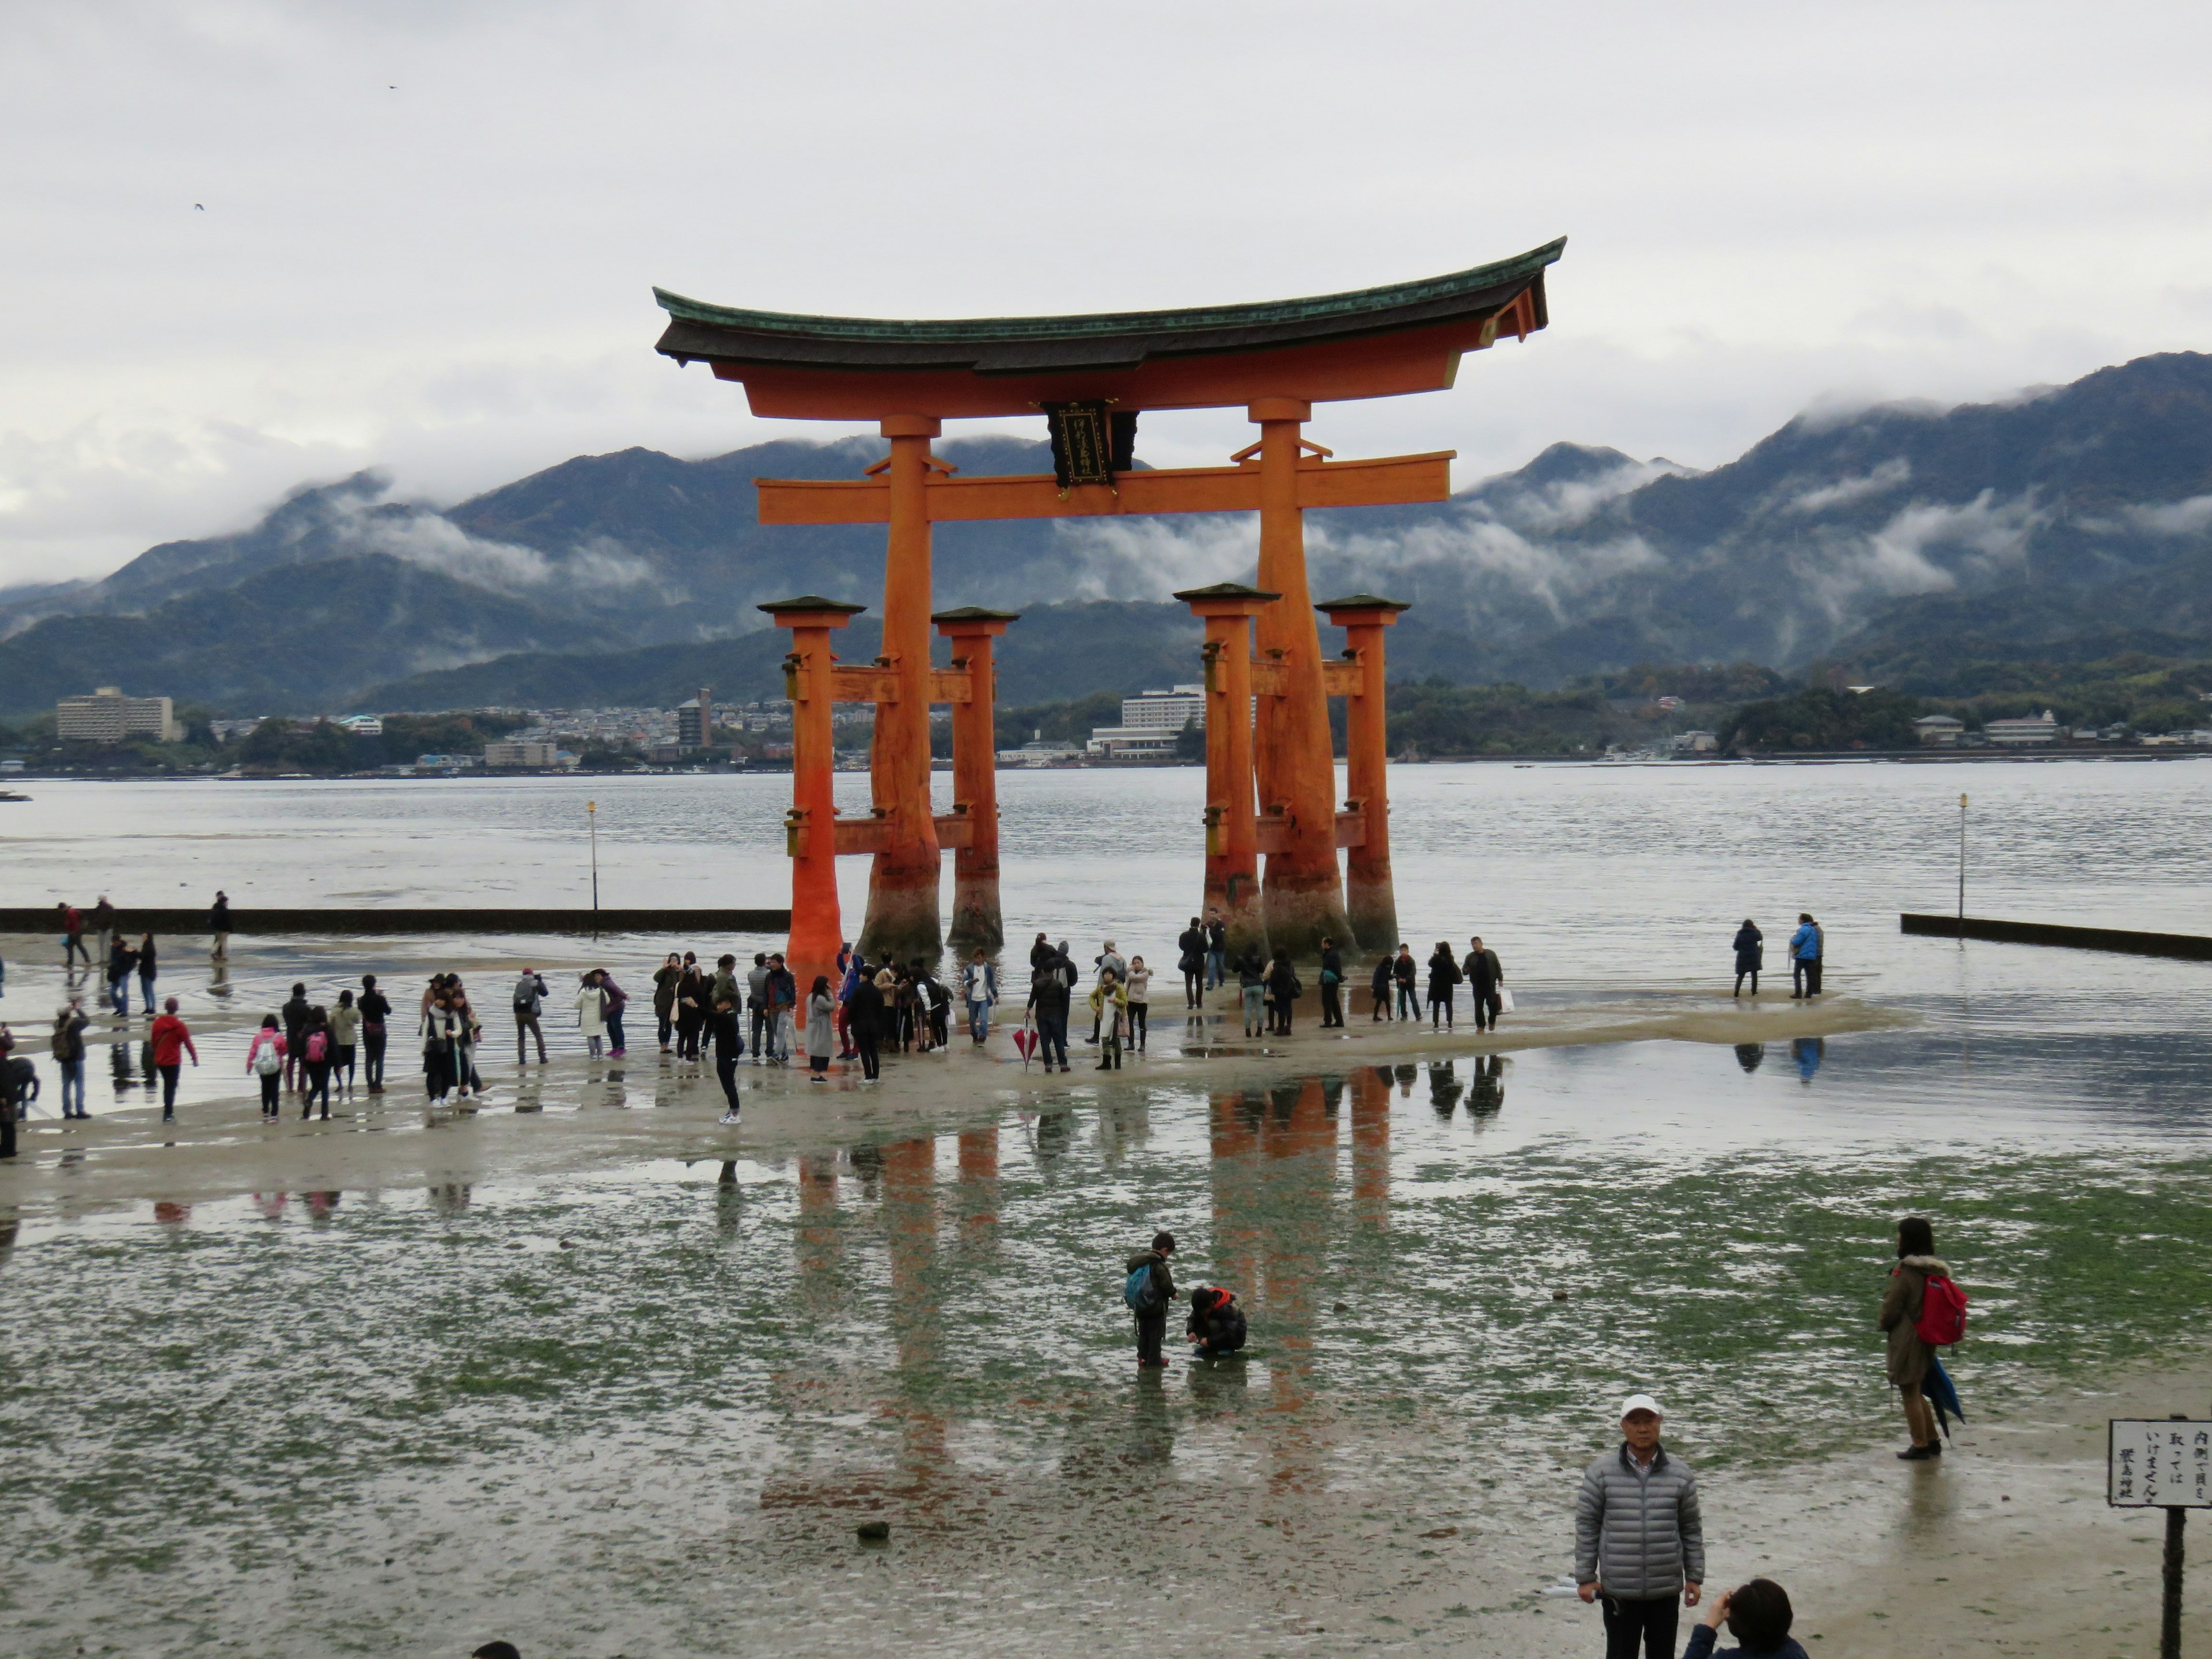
{"x": 1940, "y": 730}
{"x": 1151, "y": 722}
{"x": 363, "y": 726}
{"x": 539, "y": 755}
{"x": 108, "y": 716}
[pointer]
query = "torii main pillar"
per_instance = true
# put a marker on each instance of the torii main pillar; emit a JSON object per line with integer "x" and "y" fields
{"x": 1301, "y": 893}
{"x": 1232, "y": 847}
{"x": 976, "y": 918}
{"x": 1370, "y": 898}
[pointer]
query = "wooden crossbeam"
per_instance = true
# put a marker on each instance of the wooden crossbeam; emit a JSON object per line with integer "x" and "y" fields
{"x": 855, "y": 684}
{"x": 1388, "y": 481}
{"x": 1342, "y": 679}
{"x": 1274, "y": 831}
{"x": 1270, "y": 678}
{"x": 872, "y": 834}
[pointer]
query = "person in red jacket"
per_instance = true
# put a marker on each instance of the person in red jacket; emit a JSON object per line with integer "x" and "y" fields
{"x": 171, "y": 1038}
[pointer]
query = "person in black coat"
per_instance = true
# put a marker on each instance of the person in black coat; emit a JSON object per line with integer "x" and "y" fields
{"x": 1443, "y": 974}
{"x": 1384, "y": 970}
{"x": 1283, "y": 990}
{"x": 1192, "y": 961}
{"x": 864, "y": 1023}
{"x": 1750, "y": 953}
{"x": 1331, "y": 984}
{"x": 1217, "y": 1325}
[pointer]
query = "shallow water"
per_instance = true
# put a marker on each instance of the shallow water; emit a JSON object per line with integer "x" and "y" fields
{"x": 404, "y": 1421}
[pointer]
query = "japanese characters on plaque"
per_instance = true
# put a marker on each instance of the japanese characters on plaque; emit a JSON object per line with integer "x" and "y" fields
{"x": 2159, "y": 1463}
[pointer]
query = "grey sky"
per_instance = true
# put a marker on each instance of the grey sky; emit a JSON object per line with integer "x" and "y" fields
{"x": 429, "y": 229}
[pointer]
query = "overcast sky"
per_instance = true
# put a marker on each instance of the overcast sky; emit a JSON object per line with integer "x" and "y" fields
{"x": 425, "y": 230}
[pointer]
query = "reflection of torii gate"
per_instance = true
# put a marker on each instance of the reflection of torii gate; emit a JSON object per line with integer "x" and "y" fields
{"x": 1092, "y": 375}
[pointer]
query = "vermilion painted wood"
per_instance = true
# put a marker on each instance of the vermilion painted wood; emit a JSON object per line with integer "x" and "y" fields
{"x": 1387, "y": 481}
{"x": 976, "y": 920}
{"x": 903, "y": 919}
{"x": 816, "y": 922}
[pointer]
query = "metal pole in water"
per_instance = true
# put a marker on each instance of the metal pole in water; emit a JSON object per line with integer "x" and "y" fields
{"x": 591, "y": 818}
{"x": 1962, "y": 869}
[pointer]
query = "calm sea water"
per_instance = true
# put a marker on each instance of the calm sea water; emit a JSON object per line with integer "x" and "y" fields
{"x": 401, "y": 1422}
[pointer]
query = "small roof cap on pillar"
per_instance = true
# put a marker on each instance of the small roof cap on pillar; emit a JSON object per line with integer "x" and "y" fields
{"x": 1225, "y": 591}
{"x": 1362, "y": 602}
{"x": 974, "y": 613}
{"x": 811, "y": 602}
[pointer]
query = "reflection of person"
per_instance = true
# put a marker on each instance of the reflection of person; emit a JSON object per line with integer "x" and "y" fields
{"x": 1759, "y": 1615}
{"x": 1489, "y": 1096}
{"x": 1807, "y": 1052}
{"x": 1217, "y": 1324}
{"x": 1639, "y": 1538}
{"x": 1909, "y": 1356}
{"x": 1749, "y": 1054}
{"x": 1445, "y": 1087}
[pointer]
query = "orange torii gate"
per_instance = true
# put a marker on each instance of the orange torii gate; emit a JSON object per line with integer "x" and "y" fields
{"x": 1092, "y": 376}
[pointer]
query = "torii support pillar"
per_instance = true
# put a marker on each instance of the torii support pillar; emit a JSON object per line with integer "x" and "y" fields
{"x": 810, "y": 831}
{"x": 1369, "y": 897}
{"x": 1303, "y": 894}
{"x": 1232, "y": 843}
{"x": 976, "y": 918}
{"x": 903, "y": 919}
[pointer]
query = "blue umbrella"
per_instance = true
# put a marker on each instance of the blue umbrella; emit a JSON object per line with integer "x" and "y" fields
{"x": 1937, "y": 1389}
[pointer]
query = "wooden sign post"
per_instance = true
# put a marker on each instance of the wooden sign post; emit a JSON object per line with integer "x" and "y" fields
{"x": 2155, "y": 1463}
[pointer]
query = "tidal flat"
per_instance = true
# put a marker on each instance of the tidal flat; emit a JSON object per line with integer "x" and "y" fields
{"x": 604, "y": 1379}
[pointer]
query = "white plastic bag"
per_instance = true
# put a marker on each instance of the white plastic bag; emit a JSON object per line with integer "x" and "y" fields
{"x": 1505, "y": 1000}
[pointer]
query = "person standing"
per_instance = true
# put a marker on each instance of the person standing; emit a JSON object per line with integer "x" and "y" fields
{"x": 1192, "y": 963}
{"x": 864, "y": 1025}
{"x": 296, "y": 1023}
{"x": 665, "y": 979}
{"x": 939, "y": 1003}
{"x": 1640, "y": 1537}
{"x": 979, "y": 989}
{"x": 1804, "y": 959}
{"x": 1139, "y": 988}
{"x": 171, "y": 1038}
{"x": 264, "y": 1060}
{"x": 1107, "y": 961}
{"x": 1252, "y": 990}
{"x": 723, "y": 998}
{"x": 1404, "y": 974}
{"x": 316, "y": 1057}
{"x": 821, "y": 1029}
{"x": 1147, "y": 1288}
{"x": 219, "y": 927}
{"x": 148, "y": 970}
{"x": 1332, "y": 985}
{"x": 591, "y": 1014}
{"x": 1216, "y": 952}
{"x": 437, "y": 1044}
{"x": 692, "y": 1002}
{"x": 1284, "y": 989}
{"x": 782, "y": 1008}
{"x": 1109, "y": 1008}
{"x": 1910, "y": 1355}
{"x": 1385, "y": 975}
{"x": 345, "y": 1040}
{"x": 72, "y": 936}
{"x": 103, "y": 926}
{"x": 756, "y": 1003}
{"x": 1750, "y": 953}
{"x": 617, "y": 1000}
{"x": 1050, "y": 986}
{"x": 529, "y": 995}
{"x": 1487, "y": 975}
{"x": 1443, "y": 974}
{"x": 67, "y": 1047}
{"x": 375, "y": 1009}
{"x": 121, "y": 960}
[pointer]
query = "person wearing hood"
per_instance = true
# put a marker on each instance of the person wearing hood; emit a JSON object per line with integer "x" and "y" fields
{"x": 1217, "y": 1324}
{"x": 1158, "y": 1290}
{"x": 1910, "y": 1356}
{"x": 1640, "y": 1537}
{"x": 294, "y": 1013}
{"x": 1750, "y": 954}
{"x": 1759, "y": 1615}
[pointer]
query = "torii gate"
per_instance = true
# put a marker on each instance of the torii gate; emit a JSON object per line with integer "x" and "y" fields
{"x": 1092, "y": 376}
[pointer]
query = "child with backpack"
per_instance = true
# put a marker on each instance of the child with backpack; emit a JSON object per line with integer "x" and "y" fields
{"x": 1923, "y": 1310}
{"x": 264, "y": 1059}
{"x": 1147, "y": 1289}
{"x": 315, "y": 1051}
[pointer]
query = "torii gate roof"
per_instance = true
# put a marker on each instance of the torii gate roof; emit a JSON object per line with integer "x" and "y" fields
{"x": 1376, "y": 341}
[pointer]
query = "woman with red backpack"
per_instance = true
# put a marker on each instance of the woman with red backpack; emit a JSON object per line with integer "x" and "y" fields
{"x": 1922, "y": 1311}
{"x": 315, "y": 1053}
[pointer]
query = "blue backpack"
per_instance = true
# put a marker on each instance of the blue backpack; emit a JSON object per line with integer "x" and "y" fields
{"x": 1139, "y": 1291}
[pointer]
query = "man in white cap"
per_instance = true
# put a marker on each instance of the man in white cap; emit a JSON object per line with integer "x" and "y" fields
{"x": 1639, "y": 1541}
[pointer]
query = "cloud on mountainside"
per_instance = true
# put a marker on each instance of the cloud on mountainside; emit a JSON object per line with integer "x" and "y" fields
{"x": 1889, "y": 476}
{"x": 1894, "y": 562}
{"x": 2187, "y": 518}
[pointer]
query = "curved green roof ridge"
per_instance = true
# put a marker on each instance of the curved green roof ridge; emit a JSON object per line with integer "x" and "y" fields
{"x": 1202, "y": 318}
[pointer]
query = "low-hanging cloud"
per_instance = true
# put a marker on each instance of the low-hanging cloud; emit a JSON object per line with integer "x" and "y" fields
{"x": 1890, "y": 475}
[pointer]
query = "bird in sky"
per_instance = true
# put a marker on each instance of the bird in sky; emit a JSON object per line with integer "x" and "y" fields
{"x": 197, "y": 207}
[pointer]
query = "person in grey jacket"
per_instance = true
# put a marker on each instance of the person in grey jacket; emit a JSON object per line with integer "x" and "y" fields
{"x": 1639, "y": 1540}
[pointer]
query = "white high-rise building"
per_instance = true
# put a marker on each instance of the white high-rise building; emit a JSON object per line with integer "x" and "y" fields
{"x": 108, "y": 716}
{"x": 1170, "y": 710}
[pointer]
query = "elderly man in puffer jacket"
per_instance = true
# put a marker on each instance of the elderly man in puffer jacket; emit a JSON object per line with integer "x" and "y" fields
{"x": 1639, "y": 1540}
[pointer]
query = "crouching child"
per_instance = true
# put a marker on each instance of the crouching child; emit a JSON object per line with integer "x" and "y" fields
{"x": 1217, "y": 1324}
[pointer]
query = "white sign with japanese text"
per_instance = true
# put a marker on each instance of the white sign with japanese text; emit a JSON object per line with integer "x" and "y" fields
{"x": 2159, "y": 1463}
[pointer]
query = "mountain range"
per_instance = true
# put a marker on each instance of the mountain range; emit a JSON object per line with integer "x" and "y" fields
{"x": 2066, "y": 522}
